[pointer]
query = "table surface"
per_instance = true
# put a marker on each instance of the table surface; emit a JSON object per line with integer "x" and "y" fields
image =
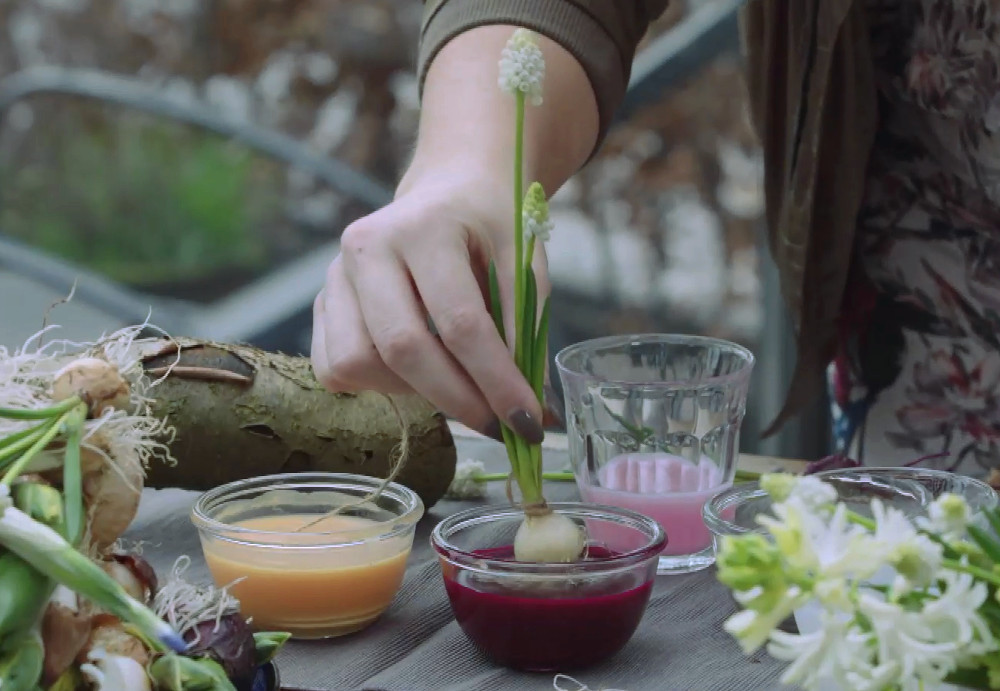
{"x": 417, "y": 645}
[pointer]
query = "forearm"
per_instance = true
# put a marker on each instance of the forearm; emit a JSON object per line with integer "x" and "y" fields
{"x": 466, "y": 121}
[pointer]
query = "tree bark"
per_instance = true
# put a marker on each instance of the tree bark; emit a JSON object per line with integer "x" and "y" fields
{"x": 242, "y": 412}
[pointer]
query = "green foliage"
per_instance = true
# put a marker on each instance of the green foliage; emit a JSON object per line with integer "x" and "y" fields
{"x": 140, "y": 201}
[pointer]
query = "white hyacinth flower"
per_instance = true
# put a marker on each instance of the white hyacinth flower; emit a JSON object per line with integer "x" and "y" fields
{"x": 535, "y": 214}
{"x": 825, "y": 546}
{"x": 930, "y": 643}
{"x": 839, "y": 650}
{"x": 752, "y": 627}
{"x": 522, "y": 66}
{"x": 948, "y": 516}
{"x": 916, "y": 557}
{"x": 465, "y": 484}
{"x": 811, "y": 492}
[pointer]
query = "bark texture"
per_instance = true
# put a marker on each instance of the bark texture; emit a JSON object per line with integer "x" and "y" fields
{"x": 241, "y": 412}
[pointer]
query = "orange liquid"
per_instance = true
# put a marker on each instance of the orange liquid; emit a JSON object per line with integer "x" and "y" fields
{"x": 308, "y": 591}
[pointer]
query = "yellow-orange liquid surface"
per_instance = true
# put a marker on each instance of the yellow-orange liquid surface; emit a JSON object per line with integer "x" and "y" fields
{"x": 311, "y": 591}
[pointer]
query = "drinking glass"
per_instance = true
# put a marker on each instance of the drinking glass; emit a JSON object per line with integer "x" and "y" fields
{"x": 653, "y": 422}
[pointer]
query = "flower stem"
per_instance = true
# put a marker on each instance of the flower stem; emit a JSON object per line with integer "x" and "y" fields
{"x": 556, "y": 476}
{"x": 40, "y": 413}
{"x": 40, "y": 443}
{"x": 518, "y": 227}
{"x": 988, "y": 576}
{"x": 858, "y": 519}
{"x": 24, "y": 441}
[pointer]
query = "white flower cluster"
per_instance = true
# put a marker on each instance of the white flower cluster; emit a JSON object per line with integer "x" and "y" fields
{"x": 465, "y": 484}
{"x": 911, "y": 633}
{"x": 535, "y": 214}
{"x": 522, "y": 66}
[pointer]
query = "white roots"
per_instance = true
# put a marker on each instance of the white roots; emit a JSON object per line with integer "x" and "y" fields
{"x": 118, "y": 444}
{"x": 549, "y": 537}
{"x": 182, "y": 605}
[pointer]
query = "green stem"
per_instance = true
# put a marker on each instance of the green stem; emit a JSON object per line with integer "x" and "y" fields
{"x": 518, "y": 224}
{"x": 858, "y": 519}
{"x": 527, "y": 476}
{"x": 21, "y": 463}
{"x": 15, "y": 437}
{"x": 976, "y": 571}
{"x": 73, "y": 476}
{"x": 529, "y": 253}
{"x": 526, "y": 329}
{"x": 40, "y": 413}
{"x": 556, "y": 476}
{"x": 11, "y": 450}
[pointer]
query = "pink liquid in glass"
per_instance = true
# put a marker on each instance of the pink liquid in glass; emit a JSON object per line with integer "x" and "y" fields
{"x": 669, "y": 489}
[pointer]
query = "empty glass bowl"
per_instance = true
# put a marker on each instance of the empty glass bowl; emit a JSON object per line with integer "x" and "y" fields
{"x": 735, "y": 510}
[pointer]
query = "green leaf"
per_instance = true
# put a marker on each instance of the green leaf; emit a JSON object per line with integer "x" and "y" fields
{"x": 989, "y": 545}
{"x": 641, "y": 434}
{"x": 970, "y": 678}
{"x": 993, "y": 516}
{"x": 527, "y": 328}
{"x": 541, "y": 349}
{"x": 495, "y": 304}
{"x": 267, "y": 644}
{"x": 73, "y": 481}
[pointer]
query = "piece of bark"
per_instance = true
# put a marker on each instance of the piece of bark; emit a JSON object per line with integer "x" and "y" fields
{"x": 266, "y": 413}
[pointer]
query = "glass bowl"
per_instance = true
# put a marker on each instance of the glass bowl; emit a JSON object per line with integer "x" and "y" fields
{"x": 548, "y": 617}
{"x": 735, "y": 510}
{"x": 330, "y": 579}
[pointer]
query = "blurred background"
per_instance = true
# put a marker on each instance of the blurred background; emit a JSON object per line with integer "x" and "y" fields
{"x": 196, "y": 160}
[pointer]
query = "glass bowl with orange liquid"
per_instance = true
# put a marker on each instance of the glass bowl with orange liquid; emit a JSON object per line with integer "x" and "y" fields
{"x": 307, "y": 553}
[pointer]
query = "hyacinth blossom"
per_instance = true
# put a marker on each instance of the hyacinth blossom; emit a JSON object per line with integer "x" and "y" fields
{"x": 904, "y": 604}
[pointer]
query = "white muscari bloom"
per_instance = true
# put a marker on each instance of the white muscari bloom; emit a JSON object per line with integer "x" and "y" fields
{"x": 947, "y": 516}
{"x": 522, "y": 66}
{"x": 535, "y": 214}
{"x": 465, "y": 485}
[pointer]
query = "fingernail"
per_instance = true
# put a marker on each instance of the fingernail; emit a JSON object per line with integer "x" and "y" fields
{"x": 493, "y": 431}
{"x": 525, "y": 426}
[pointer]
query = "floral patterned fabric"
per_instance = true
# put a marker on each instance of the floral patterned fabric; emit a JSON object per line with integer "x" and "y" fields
{"x": 917, "y": 371}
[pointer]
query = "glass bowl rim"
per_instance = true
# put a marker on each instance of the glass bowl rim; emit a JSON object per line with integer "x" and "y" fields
{"x": 490, "y": 513}
{"x": 744, "y": 491}
{"x": 711, "y": 511}
{"x": 397, "y": 525}
{"x": 740, "y": 375}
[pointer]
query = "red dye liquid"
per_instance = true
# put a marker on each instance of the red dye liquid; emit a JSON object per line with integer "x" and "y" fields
{"x": 576, "y": 626}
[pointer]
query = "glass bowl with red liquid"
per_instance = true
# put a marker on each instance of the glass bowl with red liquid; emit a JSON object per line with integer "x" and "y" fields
{"x": 547, "y": 617}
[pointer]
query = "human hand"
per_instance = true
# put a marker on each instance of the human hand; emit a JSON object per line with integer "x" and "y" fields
{"x": 427, "y": 255}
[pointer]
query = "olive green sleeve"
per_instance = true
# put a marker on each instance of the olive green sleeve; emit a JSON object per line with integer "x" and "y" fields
{"x": 601, "y": 34}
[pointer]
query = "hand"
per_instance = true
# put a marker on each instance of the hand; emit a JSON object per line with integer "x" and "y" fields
{"x": 427, "y": 255}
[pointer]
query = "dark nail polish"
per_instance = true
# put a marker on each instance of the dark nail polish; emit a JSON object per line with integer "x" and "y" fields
{"x": 492, "y": 430}
{"x": 525, "y": 426}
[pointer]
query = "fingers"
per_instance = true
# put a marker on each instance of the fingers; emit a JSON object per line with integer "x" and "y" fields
{"x": 394, "y": 319}
{"x": 342, "y": 353}
{"x": 451, "y": 294}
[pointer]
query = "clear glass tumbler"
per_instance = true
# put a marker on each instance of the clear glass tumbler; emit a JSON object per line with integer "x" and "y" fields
{"x": 654, "y": 424}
